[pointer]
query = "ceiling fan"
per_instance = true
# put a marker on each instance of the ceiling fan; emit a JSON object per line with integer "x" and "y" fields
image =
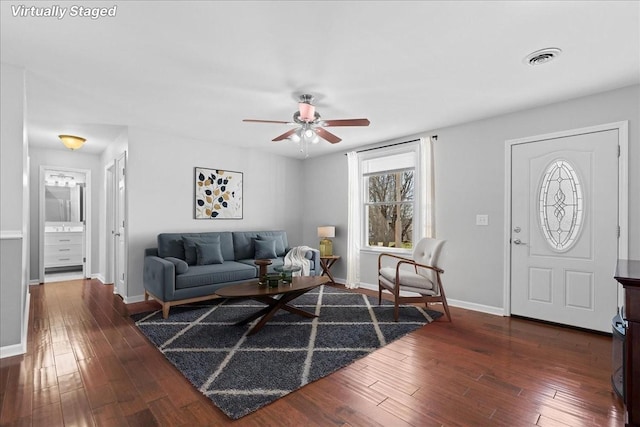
{"x": 310, "y": 127}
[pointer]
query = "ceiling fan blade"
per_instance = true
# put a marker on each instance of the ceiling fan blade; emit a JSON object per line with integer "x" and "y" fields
{"x": 323, "y": 133}
{"x": 265, "y": 121}
{"x": 346, "y": 122}
{"x": 285, "y": 135}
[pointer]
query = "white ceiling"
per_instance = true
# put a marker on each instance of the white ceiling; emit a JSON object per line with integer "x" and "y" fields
{"x": 196, "y": 69}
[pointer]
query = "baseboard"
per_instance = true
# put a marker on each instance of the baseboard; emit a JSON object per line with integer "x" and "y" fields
{"x": 20, "y": 348}
{"x": 34, "y": 282}
{"x": 12, "y": 350}
{"x": 363, "y": 285}
{"x": 99, "y": 277}
{"x": 131, "y": 300}
{"x": 498, "y": 311}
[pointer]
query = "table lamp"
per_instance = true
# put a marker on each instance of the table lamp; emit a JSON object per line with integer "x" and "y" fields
{"x": 326, "y": 246}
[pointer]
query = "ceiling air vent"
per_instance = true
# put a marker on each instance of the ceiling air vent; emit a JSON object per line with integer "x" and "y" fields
{"x": 542, "y": 56}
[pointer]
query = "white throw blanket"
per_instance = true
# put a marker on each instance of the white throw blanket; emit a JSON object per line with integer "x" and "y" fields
{"x": 295, "y": 258}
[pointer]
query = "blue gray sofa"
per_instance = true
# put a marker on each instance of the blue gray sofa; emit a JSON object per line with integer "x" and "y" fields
{"x": 190, "y": 267}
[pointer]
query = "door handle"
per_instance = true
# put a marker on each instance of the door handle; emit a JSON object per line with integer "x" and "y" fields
{"x": 518, "y": 242}
{"x": 116, "y": 234}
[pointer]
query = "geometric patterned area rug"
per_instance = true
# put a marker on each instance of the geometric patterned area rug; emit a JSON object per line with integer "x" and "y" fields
{"x": 241, "y": 373}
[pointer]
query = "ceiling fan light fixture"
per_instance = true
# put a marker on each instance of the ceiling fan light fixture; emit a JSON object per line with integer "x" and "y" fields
{"x": 72, "y": 142}
{"x": 295, "y": 137}
{"x": 307, "y": 112}
{"x": 310, "y": 127}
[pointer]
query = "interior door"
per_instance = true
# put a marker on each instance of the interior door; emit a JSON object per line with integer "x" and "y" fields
{"x": 564, "y": 229}
{"x": 120, "y": 227}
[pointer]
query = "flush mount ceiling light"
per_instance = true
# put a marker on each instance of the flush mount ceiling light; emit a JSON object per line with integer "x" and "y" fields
{"x": 72, "y": 142}
{"x": 542, "y": 56}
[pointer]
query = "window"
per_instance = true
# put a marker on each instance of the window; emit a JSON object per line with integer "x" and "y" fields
{"x": 389, "y": 178}
{"x": 560, "y": 205}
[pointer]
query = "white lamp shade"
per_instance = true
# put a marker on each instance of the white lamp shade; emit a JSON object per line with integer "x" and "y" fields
{"x": 327, "y": 231}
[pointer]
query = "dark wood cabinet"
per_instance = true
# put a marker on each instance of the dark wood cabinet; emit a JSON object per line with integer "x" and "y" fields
{"x": 628, "y": 275}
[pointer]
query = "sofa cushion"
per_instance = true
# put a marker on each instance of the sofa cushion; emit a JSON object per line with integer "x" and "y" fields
{"x": 265, "y": 249}
{"x": 180, "y": 265}
{"x": 244, "y": 241}
{"x": 280, "y": 248}
{"x": 244, "y": 244}
{"x": 209, "y": 253}
{"x": 190, "y": 252}
{"x": 172, "y": 244}
{"x": 228, "y": 271}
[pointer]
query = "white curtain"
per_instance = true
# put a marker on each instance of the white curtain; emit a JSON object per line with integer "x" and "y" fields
{"x": 354, "y": 222}
{"x": 427, "y": 199}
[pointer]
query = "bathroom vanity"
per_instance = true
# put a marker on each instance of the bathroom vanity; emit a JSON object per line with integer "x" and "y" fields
{"x": 63, "y": 245}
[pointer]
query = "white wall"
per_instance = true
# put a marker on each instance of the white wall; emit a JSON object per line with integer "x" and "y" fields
{"x": 160, "y": 183}
{"x": 470, "y": 162}
{"x": 68, "y": 159}
{"x": 326, "y": 204}
{"x": 11, "y": 149}
{"x": 14, "y": 224}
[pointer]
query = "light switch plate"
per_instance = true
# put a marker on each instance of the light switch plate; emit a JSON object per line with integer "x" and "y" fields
{"x": 482, "y": 219}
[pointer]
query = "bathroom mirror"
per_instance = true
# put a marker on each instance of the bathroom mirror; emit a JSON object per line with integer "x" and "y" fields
{"x": 64, "y": 204}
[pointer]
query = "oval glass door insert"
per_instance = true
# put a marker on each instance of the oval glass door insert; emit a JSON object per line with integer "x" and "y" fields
{"x": 561, "y": 205}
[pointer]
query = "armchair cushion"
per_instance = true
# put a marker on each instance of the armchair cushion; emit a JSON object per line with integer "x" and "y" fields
{"x": 408, "y": 279}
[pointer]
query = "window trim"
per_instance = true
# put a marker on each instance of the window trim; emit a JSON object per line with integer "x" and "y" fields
{"x": 409, "y": 147}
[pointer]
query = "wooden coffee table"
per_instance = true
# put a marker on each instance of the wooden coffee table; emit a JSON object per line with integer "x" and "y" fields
{"x": 276, "y": 298}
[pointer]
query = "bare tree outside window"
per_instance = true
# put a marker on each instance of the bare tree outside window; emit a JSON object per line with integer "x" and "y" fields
{"x": 389, "y": 209}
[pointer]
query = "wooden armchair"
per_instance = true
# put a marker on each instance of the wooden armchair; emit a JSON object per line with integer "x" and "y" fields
{"x": 419, "y": 275}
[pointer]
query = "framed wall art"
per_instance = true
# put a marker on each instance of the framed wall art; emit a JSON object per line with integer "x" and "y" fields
{"x": 218, "y": 194}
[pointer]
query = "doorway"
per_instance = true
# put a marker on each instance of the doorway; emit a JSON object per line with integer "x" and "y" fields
{"x": 65, "y": 232}
{"x": 567, "y": 225}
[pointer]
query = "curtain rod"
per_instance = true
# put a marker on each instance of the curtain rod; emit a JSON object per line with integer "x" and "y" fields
{"x": 434, "y": 137}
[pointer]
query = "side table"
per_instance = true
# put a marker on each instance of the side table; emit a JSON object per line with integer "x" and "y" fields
{"x": 326, "y": 262}
{"x": 262, "y": 264}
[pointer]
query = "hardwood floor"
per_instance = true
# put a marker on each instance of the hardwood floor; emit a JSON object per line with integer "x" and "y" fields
{"x": 87, "y": 364}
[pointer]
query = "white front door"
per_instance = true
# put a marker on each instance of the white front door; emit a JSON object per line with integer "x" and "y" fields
{"x": 564, "y": 229}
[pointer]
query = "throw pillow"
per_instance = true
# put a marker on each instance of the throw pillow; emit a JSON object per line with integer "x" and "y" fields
{"x": 181, "y": 265}
{"x": 280, "y": 249}
{"x": 190, "y": 254}
{"x": 265, "y": 249}
{"x": 209, "y": 253}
